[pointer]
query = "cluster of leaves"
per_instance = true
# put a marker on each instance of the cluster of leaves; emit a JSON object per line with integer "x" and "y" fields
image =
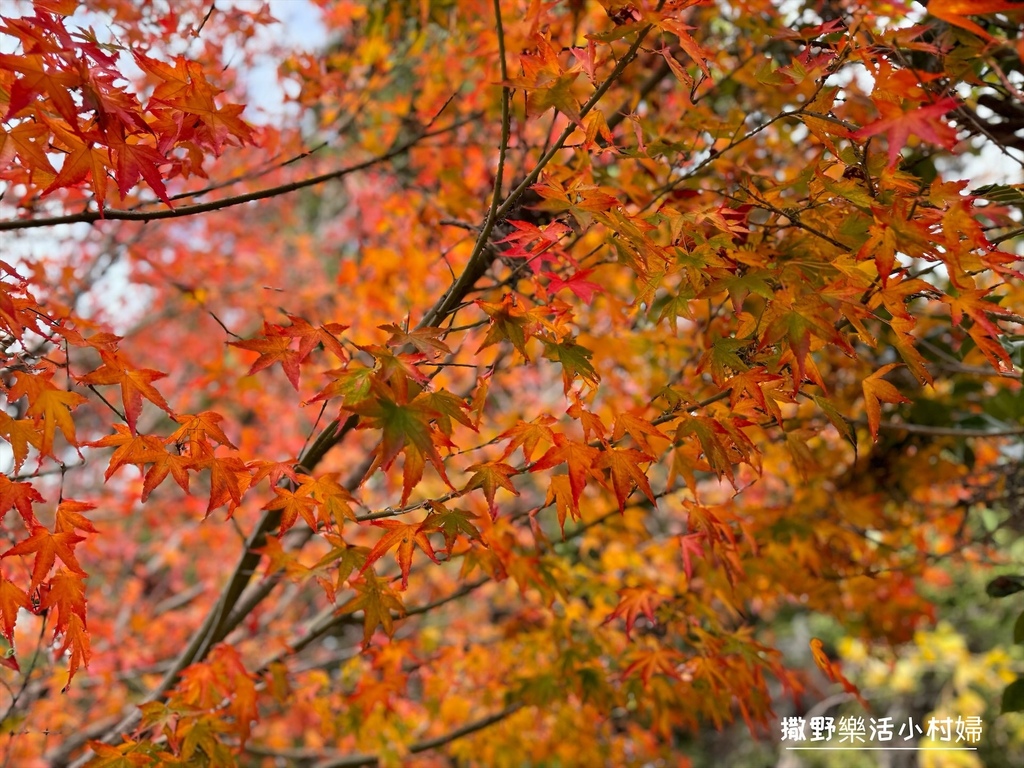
{"x": 645, "y": 324}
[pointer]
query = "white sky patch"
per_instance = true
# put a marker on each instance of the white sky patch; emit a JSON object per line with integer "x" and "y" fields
{"x": 300, "y": 27}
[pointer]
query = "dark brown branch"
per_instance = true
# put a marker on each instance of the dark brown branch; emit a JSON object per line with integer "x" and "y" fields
{"x": 112, "y": 214}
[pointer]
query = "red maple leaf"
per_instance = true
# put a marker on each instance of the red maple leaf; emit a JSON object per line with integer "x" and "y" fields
{"x": 898, "y": 124}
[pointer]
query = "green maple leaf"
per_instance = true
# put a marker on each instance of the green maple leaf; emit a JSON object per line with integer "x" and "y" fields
{"x": 406, "y": 429}
{"x": 376, "y": 600}
{"x": 451, "y": 523}
{"x": 575, "y": 361}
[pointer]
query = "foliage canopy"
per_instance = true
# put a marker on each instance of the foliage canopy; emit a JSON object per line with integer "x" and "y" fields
{"x": 492, "y": 372}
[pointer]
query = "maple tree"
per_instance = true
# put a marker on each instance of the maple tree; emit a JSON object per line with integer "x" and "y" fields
{"x": 520, "y": 374}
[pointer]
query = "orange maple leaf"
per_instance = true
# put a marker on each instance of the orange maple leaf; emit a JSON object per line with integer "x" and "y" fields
{"x": 560, "y": 493}
{"x": 135, "y": 384}
{"x": 48, "y": 547}
{"x": 12, "y": 599}
{"x": 648, "y": 662}
{"x": 489, "y": 476}
{"x": 65, "y": 592}
{"x": 20, "y": 433}
{"x": 578, "y": 457}
{"x": 69, "y": 517}
{"x": 875, "y": 389}
{"x": 634, "y": 602}
{"x": 76, "y": 644}
{"x": 956, "y": 11}
{"x": 639, "y": 429}
{"x": 21, "y": 496}
{"x": 229, "y": 479}
{"x": 623, "y": 465}
{"x": 196, "y": 432}
{"x": 528, "y": 435}
{"x": 164, "y": 463}
{"x": 451, "y": 523}
{"x": 273, "y": 348}
{"x": 832, "y": 670}
{"x": 405, "y": 536}
{"x": 47, "y": 404}
{"x": 131, "y": 448}
{"x": 333, "y": 499}
{"x": 293, "y": 505}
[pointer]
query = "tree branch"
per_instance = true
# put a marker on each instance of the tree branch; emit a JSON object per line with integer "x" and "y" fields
{"x": 113, "y": 214}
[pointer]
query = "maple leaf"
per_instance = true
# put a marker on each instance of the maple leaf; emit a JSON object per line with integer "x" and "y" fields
{"x": 624, "y": 469}
{"x": 76, "y": 645}
{"x": 832, "y": 670}
{"x": 293, "y": 505}
{"x": 451, "y": 523}
{"x": 229, "y": 479}
{"x": 12, "y": 599}
{"x": 127, "y": 755}
{"x": 135, "y": 384}
{"x": 447, "y": 406}
{"x": 279, "y": 559}
{"x": 560, "y": 493}
{"x": 197, "y": 430}
{"x": 47, "y": 548}
{"x": 528, "y": 435}
{"x": 405, "y": 536}
{"x": 687, "y": 43}
{"x": 218, "y": 123}
{"x": 376, "y": 600}
{"x": 578, "y": 457}
{"x": 65, "y": 592}
{"x": 69, "y": 517}
{"x": 309, "y": 336}
{"x": 38, "y": 77}
{"x": 132, "y": 160}
{"x": 398, "y": 370}
{"x": 709, "y": 433}
{"x": 274, "y": 471}
{"x": 21, "y": 434}
{"x": 21, "y": 496}
{"x": 426, "y": 340}
{"x": 575, "y": 362}
{"x": 333, "y": 500}
{"x": 489, "y": 476}
{"x": 352, "y": 385}
{"x": 537, "y": 245}
{"x": 898, "y": 125}
{"x": 131, "y": 448}
{"x": 344, "y": 559}
{"x": 274, "y": 347}
{"x": 406, "y": 428}
{"x": 984, "y": 332}
{"x": 658, "y": 660}
{"x": 639, "y": 429}
{"x": 876, "y": 388}
{"x": 591, "y": 422}
{"x": 48, "y": 404}
{"x": 577, "y": 283}
{"x": 634, "y": 602}
{"x": 956, "y": 11}
{"x": 510, "y": 321}
{"x": 163, "y": 463}
{"x": 690, "y": 544}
